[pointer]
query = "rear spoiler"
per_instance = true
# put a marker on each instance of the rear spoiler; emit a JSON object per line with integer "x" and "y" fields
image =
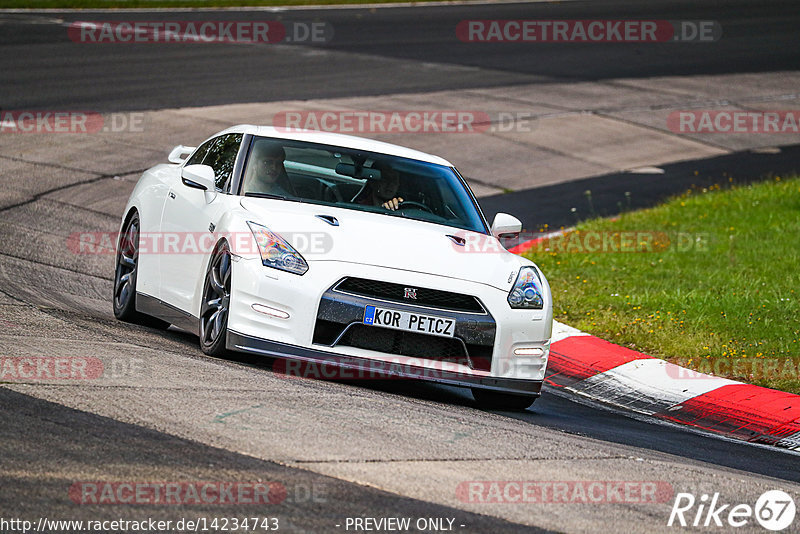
{"x": 179, "y": 153}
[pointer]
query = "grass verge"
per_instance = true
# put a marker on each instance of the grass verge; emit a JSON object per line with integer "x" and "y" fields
{"x": 709, "y": 280}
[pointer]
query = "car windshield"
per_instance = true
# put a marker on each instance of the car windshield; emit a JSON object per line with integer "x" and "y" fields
{"x": 359, "y": 180}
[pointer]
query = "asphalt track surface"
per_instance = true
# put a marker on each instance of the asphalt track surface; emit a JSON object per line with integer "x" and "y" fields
{"x": 61, "y": 441}
{"x": 624, "y": 191}
{"x": 137, "y": 428}
{"x": 374, "y": 52}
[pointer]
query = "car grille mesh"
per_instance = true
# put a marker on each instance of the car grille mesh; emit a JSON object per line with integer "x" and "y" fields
{"x": 434, "y": 298}
{"x": 405, "y": 343}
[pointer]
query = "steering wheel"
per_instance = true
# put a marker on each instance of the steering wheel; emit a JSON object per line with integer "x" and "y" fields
{"x": 412, "y": 204}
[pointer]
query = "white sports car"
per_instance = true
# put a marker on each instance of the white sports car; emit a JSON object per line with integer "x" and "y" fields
{"x": 335, "y": 251}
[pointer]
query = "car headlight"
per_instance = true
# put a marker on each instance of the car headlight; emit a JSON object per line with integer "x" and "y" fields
{"x": 527, "y": 290}
{"x": 276, "y": 252}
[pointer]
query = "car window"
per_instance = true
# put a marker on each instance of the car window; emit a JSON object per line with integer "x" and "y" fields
{"x": 221, "y": 157}
{"x": 199, "y": 154}
{"x": 219, "y": 154}
{"x": 359, "y": 180}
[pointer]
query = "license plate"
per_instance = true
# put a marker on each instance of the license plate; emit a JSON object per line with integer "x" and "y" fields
{"x": 410, "y": 322}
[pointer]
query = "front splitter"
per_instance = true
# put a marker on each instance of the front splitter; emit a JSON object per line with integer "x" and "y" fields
{"x": 366, "y": 367}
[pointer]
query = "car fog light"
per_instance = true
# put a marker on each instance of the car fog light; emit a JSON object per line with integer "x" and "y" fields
{"x": 266, "y": 310}
{"x": 529, "y": 351}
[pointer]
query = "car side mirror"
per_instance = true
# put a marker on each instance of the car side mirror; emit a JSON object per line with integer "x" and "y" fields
{"x": 179, "y": 153}
{"x": 199, "y": 177}
{"x": 505, "y": 224}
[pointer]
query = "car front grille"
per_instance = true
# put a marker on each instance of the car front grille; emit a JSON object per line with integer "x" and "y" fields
{"x": 341, "y": 312}
{"x": 403, "y": 343}
{"x": 432, "y": 298}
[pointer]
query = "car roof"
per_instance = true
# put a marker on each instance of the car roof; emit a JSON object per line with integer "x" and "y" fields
{"x": 335, "y": 139}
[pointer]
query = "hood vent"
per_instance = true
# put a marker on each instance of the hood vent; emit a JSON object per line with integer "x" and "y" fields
{"x": 460, "y": 241}
{"x": 330, "y": 219}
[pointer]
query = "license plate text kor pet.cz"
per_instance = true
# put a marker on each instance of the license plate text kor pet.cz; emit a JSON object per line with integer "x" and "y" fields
{"x": 410, "y": 322}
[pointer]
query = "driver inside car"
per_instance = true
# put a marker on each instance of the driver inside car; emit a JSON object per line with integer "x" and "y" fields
{"x": 382, "y": 191}
{"x": 266, "y": 173}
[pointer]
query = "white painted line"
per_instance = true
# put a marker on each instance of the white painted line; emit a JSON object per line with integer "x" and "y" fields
{"x": 562, "y": 331}
{"x": 790, "y": 442}
{"x": 646, "y": 170}
{"x": 648, "y": 386}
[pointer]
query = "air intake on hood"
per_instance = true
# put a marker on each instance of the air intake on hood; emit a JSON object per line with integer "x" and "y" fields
{"x": 330, "y": 219}
{"x": 458, "y": 240}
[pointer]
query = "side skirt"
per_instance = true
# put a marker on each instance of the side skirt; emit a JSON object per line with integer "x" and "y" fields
{"x": 167, "y": 312}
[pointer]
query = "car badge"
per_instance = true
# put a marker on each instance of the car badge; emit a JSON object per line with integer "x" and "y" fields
{"x": 410, "y": 293}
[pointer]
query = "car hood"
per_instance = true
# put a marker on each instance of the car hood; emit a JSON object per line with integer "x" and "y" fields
{"x": 387, "y": 241}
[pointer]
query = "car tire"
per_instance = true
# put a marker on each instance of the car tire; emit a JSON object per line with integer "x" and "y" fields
{"x": 125, "y": 273}
{"x": 494, "y": 400}
{"x": 216, "y": 302}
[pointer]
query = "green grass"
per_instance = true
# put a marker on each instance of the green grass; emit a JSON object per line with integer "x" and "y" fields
{"x": 717, "y": 292}
{"x": 153, "y": 4}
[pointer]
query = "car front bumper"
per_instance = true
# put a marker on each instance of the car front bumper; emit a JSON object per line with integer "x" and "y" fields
{"x": 306, "y": 299}
{"x": 335, "y": 366}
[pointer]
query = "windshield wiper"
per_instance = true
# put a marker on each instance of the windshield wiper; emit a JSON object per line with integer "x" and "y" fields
{"x": 271, "y": 196}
